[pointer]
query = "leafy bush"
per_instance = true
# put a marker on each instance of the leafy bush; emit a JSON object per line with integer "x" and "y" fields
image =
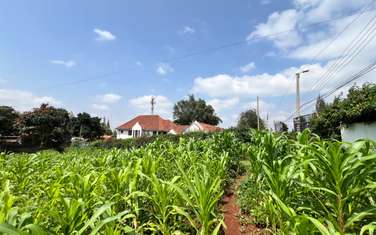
{"x": 358, "y": 106}
{"x": 145, "y": 140}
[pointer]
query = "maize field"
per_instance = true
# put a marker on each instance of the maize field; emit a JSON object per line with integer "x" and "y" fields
{"x": 311, "y": 186}
{"x": 293, "y": 186}
{"x": 164, "y": 188}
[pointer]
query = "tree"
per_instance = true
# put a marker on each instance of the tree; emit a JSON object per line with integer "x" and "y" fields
{"x": 248, "y": 119}
{"x": 190, "y": 110}
{"x": 358, "y": 106}
{"x": 46, "y": 126}
{"x": 87, "y": 127}
{"x": 320, "y": 104}
{"x": 8, "y": 118}
{"x": 326, "y": 123}
{"x": 106, "y": 127}
{"x": 281, "y": 127}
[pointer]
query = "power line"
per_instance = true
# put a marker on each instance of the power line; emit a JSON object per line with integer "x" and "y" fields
{"x": 361, "y": 12}
{"x": 99, "y": 77}
{"x": 353, "y": 48}
{"x": 204, "y": 51}
{"x": 358, "y": 75}
{"x": 358, "y": 15}
{"x": 241, "y": 42}
{"x": 344, "y": 63}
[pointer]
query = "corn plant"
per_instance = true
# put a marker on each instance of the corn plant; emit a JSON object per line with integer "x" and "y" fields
{"x": 312, "y": 185}
{"x": 111, "y": 191}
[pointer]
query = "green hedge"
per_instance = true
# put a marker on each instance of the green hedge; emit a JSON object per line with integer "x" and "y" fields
{"x": 143, "y": 141}
{"x": 358, "y": 106}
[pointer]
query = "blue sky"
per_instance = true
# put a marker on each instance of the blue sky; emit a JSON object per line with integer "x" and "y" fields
{"x": 108, "y": 57}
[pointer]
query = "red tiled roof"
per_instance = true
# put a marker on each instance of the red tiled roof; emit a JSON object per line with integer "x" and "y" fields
{"x": 149, "y": 123}
{"x": 210, "y": 128}
{"x": 179, "y": 128}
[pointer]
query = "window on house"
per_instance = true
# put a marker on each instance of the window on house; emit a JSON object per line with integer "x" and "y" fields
{"x": 121, "y": 131}
{"x": 154, "y": 132}
{"x": 136, "y": 133}
{"x": 129, "y": 132}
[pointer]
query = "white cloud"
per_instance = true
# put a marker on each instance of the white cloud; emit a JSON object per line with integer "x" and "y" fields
{"x": 139, "y": 63}
{"x": 24, "y": 100}
{"x": 304, "y": 13}
{"x": 282, "y": 83}
{"x": 318, "y": 10}
{"x": 265, "y": 2}
{"x": 220, "y": 104}
{"x": 68, "y": 63}
{"x": 187, "y": 30}
{"x": 109, "y": 98}
{"x": 104, "y": 35}
{"x": 164, "y": 68}
{"x": 101, "y": 107}
{"x": 314, "y": 48}
{"x": 248, "y": 67}
{"x": 163, "y": 105}
{"x": 278, "y": 22}
{"x": 3, "y": 81}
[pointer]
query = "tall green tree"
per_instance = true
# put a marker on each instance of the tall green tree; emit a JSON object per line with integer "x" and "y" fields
{"x": 358, "y": 106}
{"x": 192, "y": 109}
{"x": 248, "y": 119}
{"x": 87, "y": 127}
{"x": 320, "y": 104}
{"x": 106, "y": 126}
{"x": 46, "y": 126}
{"x": 8, "y": 118}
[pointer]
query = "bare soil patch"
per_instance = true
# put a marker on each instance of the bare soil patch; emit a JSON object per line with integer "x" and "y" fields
{"x": 237, "y": 223}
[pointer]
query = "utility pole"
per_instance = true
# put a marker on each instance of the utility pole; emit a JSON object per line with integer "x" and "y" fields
{"x": 152, "y": 104}
{"x": 297, "y": 94}
{"x": 258, "y": 114}
{"x": 298, "y": 91}
{"x": 298, "y": 119}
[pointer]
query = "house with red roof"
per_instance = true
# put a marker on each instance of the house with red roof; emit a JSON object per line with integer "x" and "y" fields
{"x": 150, "y": 125}
{"x": 200, "y": 126}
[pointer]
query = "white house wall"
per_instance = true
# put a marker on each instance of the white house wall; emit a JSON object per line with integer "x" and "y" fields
{"x": 195, "y": 126}
{"x": 124, "y": 135}
{"x": 172, "y": 132}
{"x": 137, "y": 127}
{"x": 359, "y": 131}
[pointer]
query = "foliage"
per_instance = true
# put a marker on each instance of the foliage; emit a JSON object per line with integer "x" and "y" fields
{"x": 161, "y": 188}
{"x": 106, "y": 127}
{"x": 327, "y": 123}
{"x": 320, "y": 104}
{"x": 190, "y": 110}
{"x": 358, "y": 106}
{"x": 8, "y": 118}
{"x": 308, "y": 184}
{"x": 87, "y": 127}
{"x": 248, "y": 119}
{"x": 145, "y": 140}
{"x": 47, "y": 127}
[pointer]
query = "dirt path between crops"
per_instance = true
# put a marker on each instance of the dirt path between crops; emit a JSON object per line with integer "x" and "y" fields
{"x": 236, "y": 222}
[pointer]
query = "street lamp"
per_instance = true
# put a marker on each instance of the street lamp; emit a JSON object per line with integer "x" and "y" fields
{"x": 298, "y": 91}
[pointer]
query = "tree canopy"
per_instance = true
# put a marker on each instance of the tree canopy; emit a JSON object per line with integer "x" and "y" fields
{"x": 248, "y": 119}
{"x": 8, "y": 118}
{"x": 192, "y": 109}
{"x": 358, "y": 106}
{"x": 46, "y": 126}
{"x": 87, "y": 127}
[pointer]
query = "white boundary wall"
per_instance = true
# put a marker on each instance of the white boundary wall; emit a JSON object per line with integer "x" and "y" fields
{"x": 357, "y": 131}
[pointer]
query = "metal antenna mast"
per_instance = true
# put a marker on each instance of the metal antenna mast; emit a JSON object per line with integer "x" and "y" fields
{"x": 152, "y": 104}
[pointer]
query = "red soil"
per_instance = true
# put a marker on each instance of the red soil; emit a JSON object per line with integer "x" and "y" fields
{"x": 236, "y": 222}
